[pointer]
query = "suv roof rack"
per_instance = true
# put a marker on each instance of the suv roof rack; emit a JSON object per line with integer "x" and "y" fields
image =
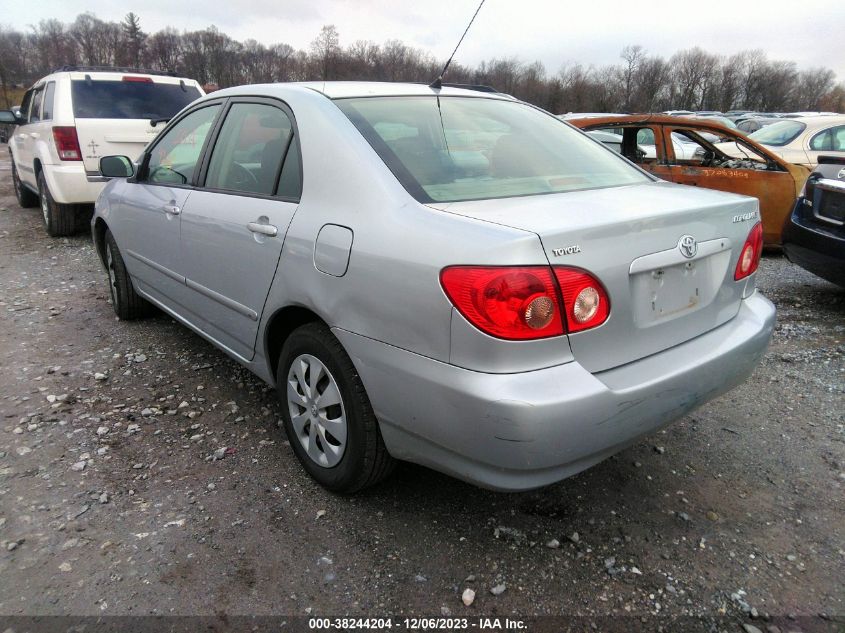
{"x": 114, "y": 69}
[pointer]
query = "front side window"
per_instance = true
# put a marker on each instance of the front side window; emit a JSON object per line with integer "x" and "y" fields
{"x": 35, "y": 109}
{"x": 778, "y": 134}
{"x": 250, "y": 150}
{"x": 173, "y": 159}
{"x": 25, "y": 104}
{"x": 469, "y": 148}
{"x": 136, "y": 99}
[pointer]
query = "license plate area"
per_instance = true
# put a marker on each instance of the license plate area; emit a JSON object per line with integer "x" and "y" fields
{"x": 831, "y": 206}
{"x": 666, "y": 291}
{"x": 667, "y": 286}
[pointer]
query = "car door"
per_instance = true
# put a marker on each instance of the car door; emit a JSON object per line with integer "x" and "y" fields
{"x": 24, "y": 158}
{"x": 148, "y": 229}
{"x": 830, "y": 141}
{"x": 234, "y": 226}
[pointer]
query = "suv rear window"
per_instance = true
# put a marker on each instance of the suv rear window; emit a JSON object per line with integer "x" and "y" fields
{"x": 472, "y": 148}
{"x": 129, "y": 99}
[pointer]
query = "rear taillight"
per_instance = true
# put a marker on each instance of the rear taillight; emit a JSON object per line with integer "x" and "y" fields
{"x": 585, "y": 300}
{"x": 749, "y": 257}
{"x": 524, "y": 302}
{"x": 67, "y": 143}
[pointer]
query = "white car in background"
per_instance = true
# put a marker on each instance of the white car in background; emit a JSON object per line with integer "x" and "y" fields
{"x": 802, "y": 140}
{"x": 71, "y": 118}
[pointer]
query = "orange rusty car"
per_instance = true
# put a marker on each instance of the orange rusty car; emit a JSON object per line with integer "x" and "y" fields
{"x": 684, "y": 150}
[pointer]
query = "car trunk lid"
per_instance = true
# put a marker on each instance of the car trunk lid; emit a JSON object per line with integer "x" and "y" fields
{"x": 632, "y": 240}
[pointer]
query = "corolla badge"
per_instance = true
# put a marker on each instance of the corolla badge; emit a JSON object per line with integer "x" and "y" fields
{"x": 688, "y": 246}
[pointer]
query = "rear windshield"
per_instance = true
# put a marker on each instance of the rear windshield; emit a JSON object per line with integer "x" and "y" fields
{"x": 779, "y": 133}
{"x": 129, "y": 99}
{"x": 471, "y": 148}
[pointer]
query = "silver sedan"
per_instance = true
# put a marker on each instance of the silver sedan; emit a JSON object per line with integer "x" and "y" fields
{"x": 448, "y": 277}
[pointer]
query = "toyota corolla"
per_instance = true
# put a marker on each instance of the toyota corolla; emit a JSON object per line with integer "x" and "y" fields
{"x": 445, "y": 276}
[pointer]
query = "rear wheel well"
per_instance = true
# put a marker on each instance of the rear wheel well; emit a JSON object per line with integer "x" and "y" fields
{"x": 37, "y": 167}
{"x": 279, "y": 328}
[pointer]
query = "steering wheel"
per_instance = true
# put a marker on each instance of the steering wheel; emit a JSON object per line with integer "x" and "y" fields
{"x": 240, "y": 178}
{"x": 708, "y": 158}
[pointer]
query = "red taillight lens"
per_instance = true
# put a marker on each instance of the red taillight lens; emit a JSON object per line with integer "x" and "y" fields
{"x": 585, "y": 301}
{"x": 145, "y": 80}
{"x": 523, "y": 302}
{"x": 509, "y": 302}
{"x": 67, "y": 143}
{"x": 749, "y": 257}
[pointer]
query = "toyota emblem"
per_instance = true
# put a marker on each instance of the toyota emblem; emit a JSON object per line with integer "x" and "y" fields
{"x": 688, "y": 246}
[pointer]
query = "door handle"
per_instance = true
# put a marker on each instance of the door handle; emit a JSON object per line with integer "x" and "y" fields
{"x": 172, "y": 209}
{"x": 264, "y": 229}
{"x": 35, "y": 135}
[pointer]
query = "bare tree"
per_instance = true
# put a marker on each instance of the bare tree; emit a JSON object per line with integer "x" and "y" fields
{"x": 325, "y": 50}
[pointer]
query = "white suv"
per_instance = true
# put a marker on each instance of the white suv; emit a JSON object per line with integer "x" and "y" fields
{"x": 71, "y": 118}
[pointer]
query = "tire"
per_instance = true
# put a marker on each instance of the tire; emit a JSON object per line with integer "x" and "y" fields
{"x": 128, "y": 305}
{"x": 59, "y": 219}
{"x": 341, "y": 464}
{"x": 26, "y": 198}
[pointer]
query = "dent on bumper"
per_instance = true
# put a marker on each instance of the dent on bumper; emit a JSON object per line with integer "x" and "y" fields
{"x": 525, "y": 430}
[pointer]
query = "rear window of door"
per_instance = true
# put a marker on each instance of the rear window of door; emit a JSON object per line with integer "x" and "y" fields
{"x": 252, "y": 146}
{"x": 47, "y": 104}
{"x": 832, "y": 139}
{"x": 129, "y": 99}
{"x": 173, "y": 159}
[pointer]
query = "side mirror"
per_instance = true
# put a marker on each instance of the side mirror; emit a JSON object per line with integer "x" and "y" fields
{"x": 116, "y": 167}
{"x": 7, "y": 116}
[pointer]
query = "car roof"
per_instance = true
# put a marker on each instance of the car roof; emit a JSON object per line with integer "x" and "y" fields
{"x": 347, "y": 89}
{"x": 659, "y": 119}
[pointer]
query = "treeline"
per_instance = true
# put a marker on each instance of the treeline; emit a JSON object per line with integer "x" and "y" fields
{"x": 691, "y": 79}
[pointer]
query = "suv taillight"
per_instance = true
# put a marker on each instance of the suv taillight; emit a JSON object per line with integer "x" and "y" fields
{"x": 524, "y": 302}
{"x": 749, "y": 257}
{"x": 67, "y": 143}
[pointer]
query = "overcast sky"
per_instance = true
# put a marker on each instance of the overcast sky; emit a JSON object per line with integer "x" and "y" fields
{"x": 810, "y": 33}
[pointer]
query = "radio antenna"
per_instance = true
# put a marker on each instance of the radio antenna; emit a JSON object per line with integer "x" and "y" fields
{"x": 438, "y": 83}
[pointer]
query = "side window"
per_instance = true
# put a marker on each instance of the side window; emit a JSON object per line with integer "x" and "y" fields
{"x": 822, "y": 141}
{"x": 173, "y": 159}
{"x": 25, "y": 104}
{"x": 35, "y": 109}
{"x": 47, "y": 105}
{"x": 250, "y": 149}
{"x": 832, "y": 139}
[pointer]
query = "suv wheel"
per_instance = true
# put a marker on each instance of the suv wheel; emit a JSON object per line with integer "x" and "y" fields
{"x": 128, "y": 304}
{"x": 60, "y": 219}
{"x": 327, "y": 414}
{"x": 25, "y": 197}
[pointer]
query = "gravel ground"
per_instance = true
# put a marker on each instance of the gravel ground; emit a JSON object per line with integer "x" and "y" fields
{"x": 142, "y": 472}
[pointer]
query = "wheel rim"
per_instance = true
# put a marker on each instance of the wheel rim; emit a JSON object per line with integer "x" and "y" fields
{"x": 16, "y": 183}
{"x": 112, "y": 277}
{"x": 316, "y": 410}
{"x": 45, "y": 210}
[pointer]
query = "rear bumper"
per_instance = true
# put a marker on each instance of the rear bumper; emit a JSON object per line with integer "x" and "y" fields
{"x": 526, "y": 430}
{"x": 69, "y": 184}
{"x": 817, "y": 248}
